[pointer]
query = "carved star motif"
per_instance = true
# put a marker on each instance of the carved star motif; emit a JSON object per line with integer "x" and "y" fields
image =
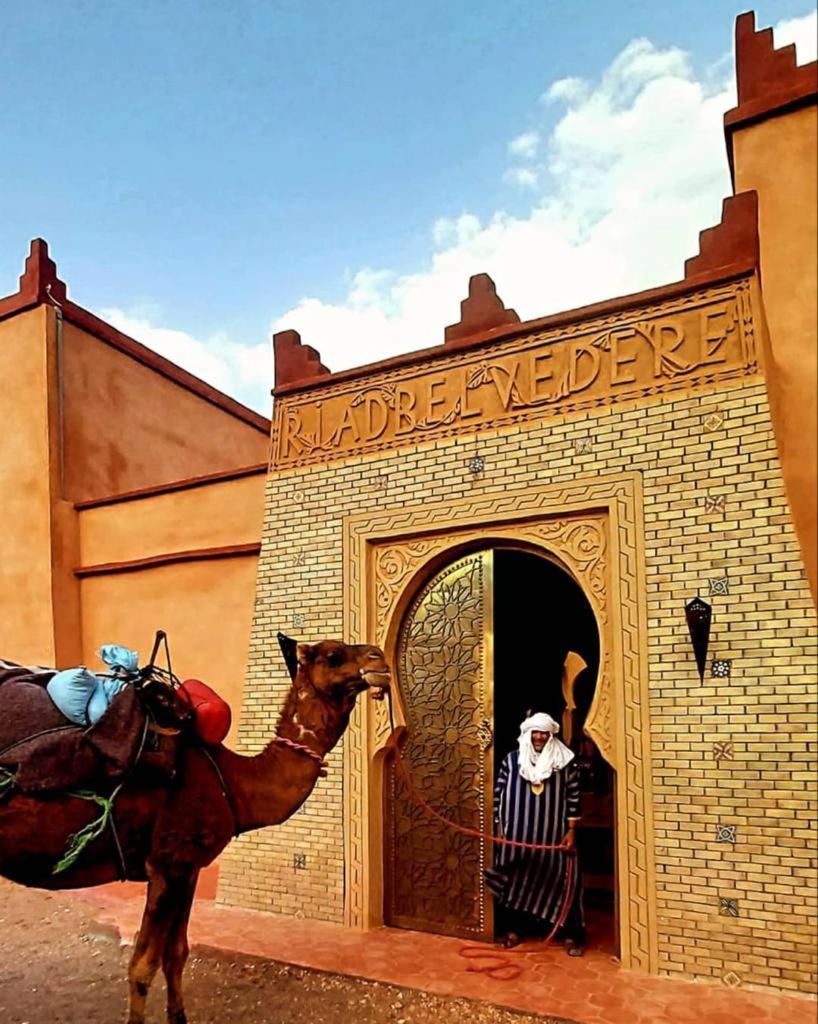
{"x": 719, "y": 586}
{"x": 723, "y": 750}
{"x": 715, "y": 503}
{"x": 713, "y": 421}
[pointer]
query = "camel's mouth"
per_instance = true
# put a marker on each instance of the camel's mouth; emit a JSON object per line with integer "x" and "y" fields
{"x": 379, "y": 682}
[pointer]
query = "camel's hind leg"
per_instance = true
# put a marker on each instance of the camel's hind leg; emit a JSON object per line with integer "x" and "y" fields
{"x": 165, "y": 893}
{"x": 176, "y": 952}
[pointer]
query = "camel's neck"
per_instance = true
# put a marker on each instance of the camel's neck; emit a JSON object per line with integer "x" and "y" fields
{"x": 269, "y": 787}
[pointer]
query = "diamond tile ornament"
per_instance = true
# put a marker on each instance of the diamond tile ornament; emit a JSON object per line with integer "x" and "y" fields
{"x": 583, "y": 445}
{"x": 719, "y": 586}
{"x": 715, "y": 503}
{"x": 713, "y": 421}
{"x": 723, "y": 750}
{"x": 721, "y": 668}
{"x": 298, "y": 620}
{"x": 731, "y": 979}
{"x": 728, "y": 907}
{"x": 299, "y": 861}
{"x": 476, "y": 465}
{"x": 725, "y": 833}
{"x": 299, "y": 558}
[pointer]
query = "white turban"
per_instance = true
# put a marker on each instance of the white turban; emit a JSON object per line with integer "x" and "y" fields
{"x": 534, "y": 767}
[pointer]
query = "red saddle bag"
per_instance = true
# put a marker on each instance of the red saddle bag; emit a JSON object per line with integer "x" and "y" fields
{"x": 212, "y": 714}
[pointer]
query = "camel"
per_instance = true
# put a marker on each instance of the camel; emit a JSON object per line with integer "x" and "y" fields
{"x": 167, "y": 835}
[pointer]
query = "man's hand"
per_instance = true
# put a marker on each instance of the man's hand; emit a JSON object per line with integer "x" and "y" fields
{"x": 569, "y": 841}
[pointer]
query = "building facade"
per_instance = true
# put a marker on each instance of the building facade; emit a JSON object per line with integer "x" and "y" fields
{"x": 523, "y": 504}
{"x": 644, "y": 448}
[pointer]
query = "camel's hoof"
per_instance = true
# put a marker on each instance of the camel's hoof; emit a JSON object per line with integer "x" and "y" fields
{"x": 180, "y": 1017}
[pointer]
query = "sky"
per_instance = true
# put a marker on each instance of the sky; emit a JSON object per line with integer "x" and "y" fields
{"x": 207, "y": 173}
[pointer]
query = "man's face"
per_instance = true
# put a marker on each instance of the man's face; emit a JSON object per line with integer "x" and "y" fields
{"x": 538, "y": 740}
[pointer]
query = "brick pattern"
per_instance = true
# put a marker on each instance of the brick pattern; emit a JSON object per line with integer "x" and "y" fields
{"x": 714, "y": 508}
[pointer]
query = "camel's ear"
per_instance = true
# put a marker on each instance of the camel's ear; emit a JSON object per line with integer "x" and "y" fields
{"x": 304, "y": 653}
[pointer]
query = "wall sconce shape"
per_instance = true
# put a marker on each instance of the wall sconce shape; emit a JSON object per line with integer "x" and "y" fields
{"x": 699, "y": 614}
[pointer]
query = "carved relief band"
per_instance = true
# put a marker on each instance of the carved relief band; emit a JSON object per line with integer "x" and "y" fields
{"x": 692, "y": 340}
{"x": 593, "y": 530}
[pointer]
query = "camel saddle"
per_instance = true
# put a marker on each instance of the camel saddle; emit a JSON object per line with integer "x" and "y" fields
{"x": 48, "y": 754}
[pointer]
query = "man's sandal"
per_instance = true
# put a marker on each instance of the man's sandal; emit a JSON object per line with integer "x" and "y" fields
{"x": 511, "y": 940}
{"x": 572, "y": 949}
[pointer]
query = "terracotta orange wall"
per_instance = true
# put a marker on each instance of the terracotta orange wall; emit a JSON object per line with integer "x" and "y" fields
{"x": 777, "y": 158}
{"x": 127, "y": 427}
{"x": 205, "y": 606}
{"x": 218, "y": 514}
{"x": 26, "y": 622}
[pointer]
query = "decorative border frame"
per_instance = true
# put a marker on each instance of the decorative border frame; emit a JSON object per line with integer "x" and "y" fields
{"x": 389, "y": 553}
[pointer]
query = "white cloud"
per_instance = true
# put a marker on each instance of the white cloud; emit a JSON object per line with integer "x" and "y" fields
{"x": 524, "y": 177}
{"x": 803, "y": 32}
{"x": 525, "y": 145}
{"x": 243, "y": 371}
{"x": 569, "y": 89}
{"x": 631, "y": 172}
{"x": 633, "y": 169}
{"x": 619, "y": 189}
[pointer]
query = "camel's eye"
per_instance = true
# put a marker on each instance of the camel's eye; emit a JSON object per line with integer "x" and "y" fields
{"x": 335, "y": 659}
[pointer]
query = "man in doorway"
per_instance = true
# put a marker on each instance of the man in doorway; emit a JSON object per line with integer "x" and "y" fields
{"x": 537, "y": 801}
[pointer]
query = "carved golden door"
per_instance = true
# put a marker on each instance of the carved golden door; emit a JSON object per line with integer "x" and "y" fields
{"x": 434, "y": 877}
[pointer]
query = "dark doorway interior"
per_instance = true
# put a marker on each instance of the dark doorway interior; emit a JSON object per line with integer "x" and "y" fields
{"x": 540, "y": 614}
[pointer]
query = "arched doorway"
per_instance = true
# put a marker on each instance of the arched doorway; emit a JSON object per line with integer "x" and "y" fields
{"x": 485, "y": 640}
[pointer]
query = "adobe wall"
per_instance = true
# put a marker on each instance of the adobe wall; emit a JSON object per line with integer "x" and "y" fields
{"x": 27, "y": 623}
{"x": 772, "y": 146}
{"x": 779, "y": 158}
{"x": 131, "y": 585}
{"x": 714, "y": 509}
{"x": 127, "y": 426}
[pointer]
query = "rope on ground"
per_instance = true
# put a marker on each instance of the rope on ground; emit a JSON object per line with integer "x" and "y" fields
{"x": 496, "y": 963}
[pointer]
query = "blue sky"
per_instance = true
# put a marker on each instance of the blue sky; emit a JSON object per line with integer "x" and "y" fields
{"x": 206, "y": 171}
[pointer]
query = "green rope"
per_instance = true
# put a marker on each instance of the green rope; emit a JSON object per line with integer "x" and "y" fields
{"x": 79, "y": 840}
{"x": 94, "y": 829}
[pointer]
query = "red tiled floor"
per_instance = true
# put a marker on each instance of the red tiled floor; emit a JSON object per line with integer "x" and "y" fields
{"x": 590, "y": 990}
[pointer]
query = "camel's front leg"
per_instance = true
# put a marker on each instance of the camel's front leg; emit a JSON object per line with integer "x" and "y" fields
{"x": 176, "y": 951}
{"x": 163, "y": 900}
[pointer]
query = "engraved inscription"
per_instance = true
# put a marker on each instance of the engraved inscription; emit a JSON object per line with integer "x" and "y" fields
{"x": 694, "y": 340}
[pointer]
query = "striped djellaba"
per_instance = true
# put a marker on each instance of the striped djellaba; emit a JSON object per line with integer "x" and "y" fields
{"x": 533, "y": 881}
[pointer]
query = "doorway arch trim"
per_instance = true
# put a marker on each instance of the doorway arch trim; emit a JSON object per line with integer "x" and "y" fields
{"x": 594, "y": 528}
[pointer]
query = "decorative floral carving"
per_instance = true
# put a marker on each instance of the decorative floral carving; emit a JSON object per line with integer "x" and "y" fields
{"x": 441, "y": 662}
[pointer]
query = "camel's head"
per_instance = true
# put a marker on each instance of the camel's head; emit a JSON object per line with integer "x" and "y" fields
{"x": 340, "y": 671}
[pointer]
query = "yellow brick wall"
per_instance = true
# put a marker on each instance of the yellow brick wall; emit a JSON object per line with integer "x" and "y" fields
{"x": 765, "y": 625}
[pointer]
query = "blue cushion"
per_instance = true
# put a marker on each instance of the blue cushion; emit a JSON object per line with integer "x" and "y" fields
{"x": 98, "y": 704}
{"x": 102, "y": 696}
{"x": 71, "y": 690}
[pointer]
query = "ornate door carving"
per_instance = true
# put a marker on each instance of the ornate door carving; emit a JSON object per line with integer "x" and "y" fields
{"x": 445, "y": 665}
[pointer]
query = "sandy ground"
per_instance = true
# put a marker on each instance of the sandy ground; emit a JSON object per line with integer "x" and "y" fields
{"x": 58, "y": 967}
